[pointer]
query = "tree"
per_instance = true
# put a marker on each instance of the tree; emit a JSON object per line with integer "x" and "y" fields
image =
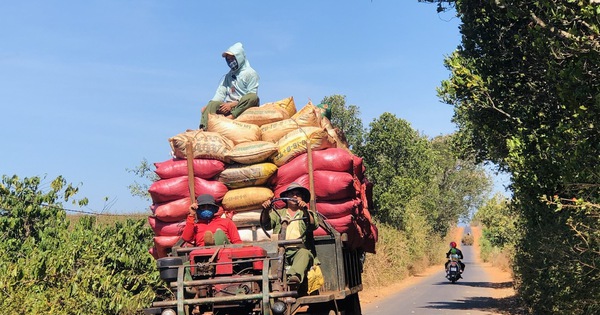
{"x": 526, "y": 91}
{"x": 145, "y": 173}
{"x": 458, "y": 185}
{"x": 499, "y": 221}
{"x": 347, "y": 119}
{"x": 398, "y": 161}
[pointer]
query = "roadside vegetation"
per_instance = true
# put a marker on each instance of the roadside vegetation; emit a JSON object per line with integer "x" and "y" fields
{"x": 53, "y": 264}
{"x": 498, "y": 221}
{"x": 525, "y": 86}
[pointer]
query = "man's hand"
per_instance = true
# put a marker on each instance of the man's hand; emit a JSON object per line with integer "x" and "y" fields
{"x": 266, "y": 204}
{"x": 302, "y": 205}
{"x": 193, "y": 208}
{"x": 225, "y": 108}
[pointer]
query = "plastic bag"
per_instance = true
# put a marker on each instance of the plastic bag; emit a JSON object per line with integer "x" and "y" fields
{"x": 315, "y": 279}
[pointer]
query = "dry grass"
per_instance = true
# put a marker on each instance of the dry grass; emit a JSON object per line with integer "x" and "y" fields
{"x": 108, "y": 219}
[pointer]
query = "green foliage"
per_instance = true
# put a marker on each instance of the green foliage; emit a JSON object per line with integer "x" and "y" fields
{"x": 526, "y": 91}
{"x": 499, "y": 221}
{"x": 398, "y": 161}
{"x": 147, "y": 176}
{"x": 51, "y": 267}
{"x": 406, "y": 167}
{"x": 458, "y": 186}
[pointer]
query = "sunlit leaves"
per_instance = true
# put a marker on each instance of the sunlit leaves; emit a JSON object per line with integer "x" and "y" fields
{"x": 535, "y": 112}
{"x": 47, "y": 266}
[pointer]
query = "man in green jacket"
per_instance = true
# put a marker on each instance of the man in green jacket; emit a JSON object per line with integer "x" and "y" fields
{"x": 237, "y": 90}
{"x": 296, "y": 220}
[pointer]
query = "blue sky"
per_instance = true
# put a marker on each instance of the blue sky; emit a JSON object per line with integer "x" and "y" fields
{"x": 90, "y": 88}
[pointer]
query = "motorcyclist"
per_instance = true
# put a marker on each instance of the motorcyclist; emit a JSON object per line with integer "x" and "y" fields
{"x": 454, "y": 250}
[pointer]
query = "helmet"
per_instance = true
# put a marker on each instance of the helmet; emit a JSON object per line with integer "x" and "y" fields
{"x": 453, "y": 244}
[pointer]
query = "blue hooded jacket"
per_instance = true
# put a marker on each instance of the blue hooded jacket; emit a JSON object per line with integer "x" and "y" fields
{"x": 239, "y": 82}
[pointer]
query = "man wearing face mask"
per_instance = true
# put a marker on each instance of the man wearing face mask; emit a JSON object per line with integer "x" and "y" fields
{"x": 202, "y": 228}
{"x": 238, "y": 89}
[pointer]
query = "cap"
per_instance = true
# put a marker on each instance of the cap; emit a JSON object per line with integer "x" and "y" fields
{"x": 206, "y": 199}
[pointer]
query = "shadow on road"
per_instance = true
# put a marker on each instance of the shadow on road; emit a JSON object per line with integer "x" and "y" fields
{"x": 487, "y": 304}
{"x": 493, "y": 285}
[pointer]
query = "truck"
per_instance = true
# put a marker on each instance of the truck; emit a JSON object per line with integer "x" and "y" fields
{"x": 250, "y": 279}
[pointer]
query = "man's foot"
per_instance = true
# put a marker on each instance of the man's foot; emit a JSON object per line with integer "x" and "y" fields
{"x": 201, "y": 127}
{"x": 209, "y": 238}
{"x": 293, "y": 279}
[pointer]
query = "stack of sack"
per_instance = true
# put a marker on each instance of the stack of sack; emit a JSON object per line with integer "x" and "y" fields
{"x": 251, "y": 159}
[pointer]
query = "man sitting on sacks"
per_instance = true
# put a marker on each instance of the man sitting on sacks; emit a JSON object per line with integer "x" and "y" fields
{"x": 299, "y": 221}
{"x": 202, "y": 228}
{"x": 238, "y": 88}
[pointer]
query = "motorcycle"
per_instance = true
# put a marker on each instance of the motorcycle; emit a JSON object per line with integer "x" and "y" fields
{"x": 453, "y": 273}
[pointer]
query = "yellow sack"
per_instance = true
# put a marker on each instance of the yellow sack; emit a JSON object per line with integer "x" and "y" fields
{"x": 309, "y": 115}
{"x": 315, "y": 279}
{"x": 236, "y": 131}
{"x": 206, "y": 145}
{"x": 247, "y": 198}
{"x": 336, "y": 134}
{"x": 252, "y": 152}
{"x": 294, "y": 143}
{"x": 287, "y": 104}
{"x": 274, "y": 131}
{"x": 239, "y": 175}
{"x": 262, "y": 115}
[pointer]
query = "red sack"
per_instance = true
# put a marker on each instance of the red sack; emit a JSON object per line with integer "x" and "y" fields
{"x": 163, "y": 244}
{"x": 346, "y": 225}
{"x": 170, "y": 189}
{"x": 332, "y": 159}
{"x": 338, "y": 208}
{"x": 154, "y": 252}
{"x": 203, "y": 168}
{"x": 359, "y": 167}
{"x": 371, "y": 239}
{"x": 172, "y": 211}
{"x": 162, "y": 228}
{"x": 329, "y": 185}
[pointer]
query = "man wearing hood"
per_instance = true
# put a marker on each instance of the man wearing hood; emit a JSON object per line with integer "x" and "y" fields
{"x": 238, "y": 89}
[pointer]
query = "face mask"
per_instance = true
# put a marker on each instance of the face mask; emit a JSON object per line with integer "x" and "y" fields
{"x": 233, "y": 64}
{"x": 205, "y": 214}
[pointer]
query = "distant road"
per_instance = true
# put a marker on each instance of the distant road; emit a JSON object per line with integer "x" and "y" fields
{"x": 472, "y": 295}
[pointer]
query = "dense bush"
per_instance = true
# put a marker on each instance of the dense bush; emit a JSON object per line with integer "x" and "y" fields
{"x": 525, "y": 86}
{"x": 50, "y": 267}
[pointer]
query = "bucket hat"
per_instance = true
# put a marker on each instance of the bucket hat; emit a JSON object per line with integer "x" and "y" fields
{"x": 206, "y": 199}
{"x": 304, "y": 193}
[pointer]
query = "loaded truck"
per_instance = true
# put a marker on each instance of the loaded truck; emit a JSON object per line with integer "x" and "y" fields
{"x": 250, "y": 279}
